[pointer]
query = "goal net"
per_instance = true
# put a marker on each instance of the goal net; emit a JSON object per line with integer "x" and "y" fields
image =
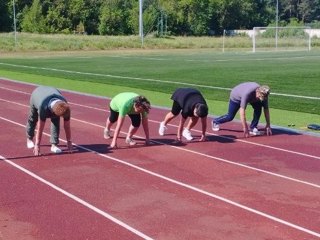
{"x": 281, "y": 39}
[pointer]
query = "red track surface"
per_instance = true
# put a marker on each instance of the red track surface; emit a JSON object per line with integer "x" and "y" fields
{"x": 225, "y": 188}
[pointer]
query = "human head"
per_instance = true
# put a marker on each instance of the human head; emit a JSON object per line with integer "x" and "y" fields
{"x": 263, "y": 92}
{"x": 201, "y": 110}
{"x": 61, "y": 108}
{"x": 142, "y": 104}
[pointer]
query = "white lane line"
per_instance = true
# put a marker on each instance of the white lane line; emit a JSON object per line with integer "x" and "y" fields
{"x": 187, "y": 186}
{"x": 202, "y": 154}
{"x": 14, "y": 90}
{"x": 148, "y": 80}
{"x": 217, "y": 158}
{"x": 227, "y": 138}
{"x": 77, "y": 199}
{"x": 25, "y": 93}
{"x": 211, "y": 134}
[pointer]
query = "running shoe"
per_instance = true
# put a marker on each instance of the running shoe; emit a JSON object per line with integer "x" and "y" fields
{"x": 55, "y": 149}
{"x": 187, "y": 134}
{"x": 30, "y": 143}
{"x": 215, "y": 127}
{"x": 162, "y": 129}
{"x": 255, "y": 132}
{"x": 106, "y": 134}
{"x": 130, "y": 141}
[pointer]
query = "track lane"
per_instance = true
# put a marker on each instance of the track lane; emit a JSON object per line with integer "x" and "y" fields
{"x": 75, "y": 180}
{"x": 124, "y": 150}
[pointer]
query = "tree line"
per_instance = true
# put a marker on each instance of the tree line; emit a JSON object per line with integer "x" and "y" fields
{"x": 173, "y": 17}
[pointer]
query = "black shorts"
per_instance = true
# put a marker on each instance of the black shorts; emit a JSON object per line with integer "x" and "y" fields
{"x": 135, "y": 118}
{"x": 176, "y": 108}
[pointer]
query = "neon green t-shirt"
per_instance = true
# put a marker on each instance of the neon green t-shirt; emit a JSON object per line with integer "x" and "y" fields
{"x": 123, "y": 103}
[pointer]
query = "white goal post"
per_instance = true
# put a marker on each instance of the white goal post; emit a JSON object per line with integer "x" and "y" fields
{"x": 281, "y": 39}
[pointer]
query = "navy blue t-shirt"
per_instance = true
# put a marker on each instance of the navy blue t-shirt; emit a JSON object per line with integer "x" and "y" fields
{"x": 187, "y": 98}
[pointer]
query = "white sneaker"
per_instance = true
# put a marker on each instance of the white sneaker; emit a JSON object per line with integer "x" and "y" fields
{"x": 187, "y": 134}
{"x": 106, "y": 134}
{"x": 215, "y": 127}
{"x": 55, "y": 149}
{"x": 255, "y": 132}
{"x": 130, "y": 142}
{"x": 30, "y": 143}
{"x": 162, "y": 129}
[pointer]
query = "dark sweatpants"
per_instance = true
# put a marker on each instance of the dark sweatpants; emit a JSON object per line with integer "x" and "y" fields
{"x": 32, "y": 123}
{"x": 234, "y": 108}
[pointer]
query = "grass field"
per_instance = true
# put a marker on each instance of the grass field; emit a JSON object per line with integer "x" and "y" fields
{"x": 292, "y": 76}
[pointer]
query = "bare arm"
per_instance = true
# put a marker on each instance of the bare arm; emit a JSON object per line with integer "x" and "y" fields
{"x": 180, "y": 127}
{"x": 244, "y": 122}
{"x": 117, "y": 131}
{"x": 267, "y": 116}
{"x": 67, "y": 130}
{"x": 40, "y": 127}
{"x": 204, "y": 128}
{"x": 145, "y": 125}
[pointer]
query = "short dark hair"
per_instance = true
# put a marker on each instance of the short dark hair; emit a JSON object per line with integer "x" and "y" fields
{"x": 141, "y": 101}
{"x": 201, "y": 110}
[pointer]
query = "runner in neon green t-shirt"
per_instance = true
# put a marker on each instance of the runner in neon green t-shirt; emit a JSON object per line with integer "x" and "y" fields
{"x": 136, "y": 107}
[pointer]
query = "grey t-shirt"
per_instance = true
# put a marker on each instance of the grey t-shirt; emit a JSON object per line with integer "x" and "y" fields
{"x": 245, "y": 93}
{"x": 40, "y": 100}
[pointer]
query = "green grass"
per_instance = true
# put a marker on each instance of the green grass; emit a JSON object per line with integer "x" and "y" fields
{"x": 63, "y": 42}
{"x": 294, "y": 73}
{"x": 156, "y": 73}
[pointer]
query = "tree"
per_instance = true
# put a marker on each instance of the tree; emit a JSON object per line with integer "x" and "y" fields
{"x": 114, "y": 17}
{"x": 5, "y": 19}
{"x": 307, "y": 10}
{"x": 86, "y": 12}
{"x": 240, "y": 14}
{"x": 183, "y": 17}
{"x": 57, "y": 16}
{"x": 33, "y": 20}
{"x": 199, "y": 17}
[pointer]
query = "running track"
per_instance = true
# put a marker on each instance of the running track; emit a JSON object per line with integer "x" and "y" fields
{"x": 225, "y": 188}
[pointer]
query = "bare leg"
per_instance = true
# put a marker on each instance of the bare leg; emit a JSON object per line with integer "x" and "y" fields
{"x": 192, "y": 122}
{"x": 132, "y": 131}
{"x": 108, "y": 124}
{"x": 106, "y": 132}
{"x": 168, "y": 118}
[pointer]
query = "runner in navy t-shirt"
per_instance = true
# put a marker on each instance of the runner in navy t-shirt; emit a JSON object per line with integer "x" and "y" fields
{"x": 190, "y": 103}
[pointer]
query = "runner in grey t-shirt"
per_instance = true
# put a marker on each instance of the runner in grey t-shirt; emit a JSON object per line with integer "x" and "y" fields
{"x": 242, "y": 95}
{"x": 47, "y": 102}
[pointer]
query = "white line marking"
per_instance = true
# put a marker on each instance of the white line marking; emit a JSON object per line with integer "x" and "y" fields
{"x": 187, "y": 186}
{"x": 227, "y": 138}
{"x": 209, "y": 156}
{"x": 14, "y": 90}
{"x": 211, "y": 134}
{"x": 25, "y": 93}
{"x": 217, "y": 60}
{"x": 77, "y": 199}
{"x": 148, "y": 80}
{"x": 217, "y": 158}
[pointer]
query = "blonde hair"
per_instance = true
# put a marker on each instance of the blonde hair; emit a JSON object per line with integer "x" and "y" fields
{"x": 264, "y": 91}
{"x": 61, "y": 108}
